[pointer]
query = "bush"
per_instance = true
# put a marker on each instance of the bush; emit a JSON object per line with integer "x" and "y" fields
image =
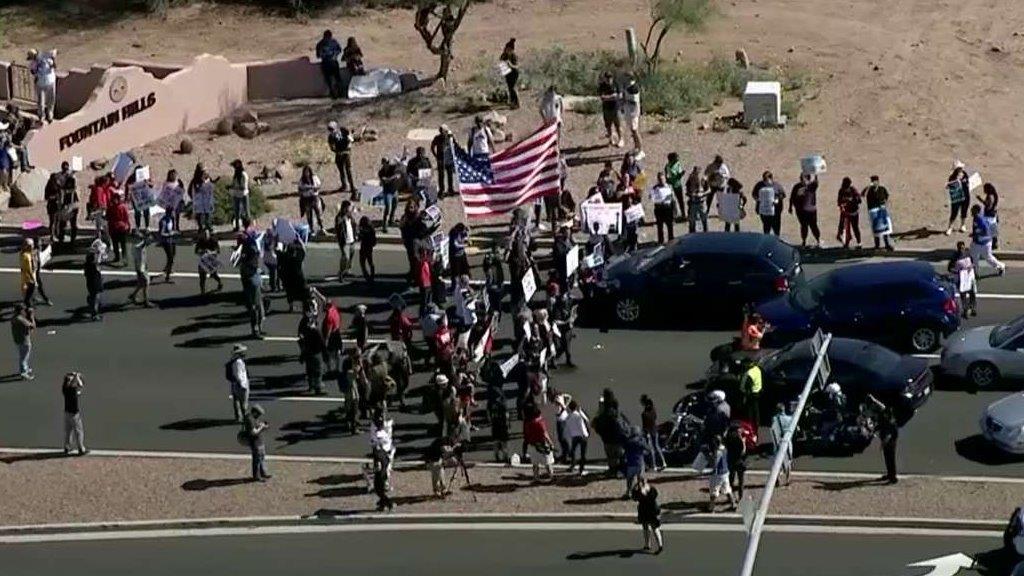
{"x": 223, "y": 211}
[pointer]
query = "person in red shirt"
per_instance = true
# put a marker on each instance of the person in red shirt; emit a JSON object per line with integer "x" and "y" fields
{"x": 331, "y": 332}
{"x": 752, "y": 332}
{"x": 424, "y": 278}
{"x": 120, "y": 225}
{"x": 99, "y": 194}
{"x": 535, "y": 435}
{"x": 444, "y": 345}
{"x": 401, "y": 327}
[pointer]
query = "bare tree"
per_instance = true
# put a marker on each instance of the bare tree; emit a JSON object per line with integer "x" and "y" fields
{"x": 437, "y": 21}
{"x": 666, "y": 15}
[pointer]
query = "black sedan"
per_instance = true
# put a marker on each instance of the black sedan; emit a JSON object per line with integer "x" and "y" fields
{"x": 713, "y": 274}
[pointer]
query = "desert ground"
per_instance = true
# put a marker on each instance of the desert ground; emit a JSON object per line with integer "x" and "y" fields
{"x": 899, "y": 88}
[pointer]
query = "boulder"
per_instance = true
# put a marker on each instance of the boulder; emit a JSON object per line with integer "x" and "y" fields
{"x": 224, "y": 127}
{"x": 98, "y": 165}
{"x": 247, "y": 116}
{"x": 499, "y": 134}
{"x": 185, "y": 147}
{"x": 741, "y": 59}
{"x": 262, "y": 127}
{"x": 495, "y": 120}
{"x": 28, "y": 188}
{"x": 246, "y": 131}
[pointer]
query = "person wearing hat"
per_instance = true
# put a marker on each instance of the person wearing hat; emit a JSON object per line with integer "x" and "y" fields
{"x": 44, "y": 69}
{"x": 441, "y": 147}
{"x": 22, "y": 324}
{"x": 239, "y": 195}
{"x": 238, "y": 376}
{"x": 339, "y": 140}
{"x": 360, "y": 327}
{"x": 327, "y": 50}
{"x": 253, "y": 429}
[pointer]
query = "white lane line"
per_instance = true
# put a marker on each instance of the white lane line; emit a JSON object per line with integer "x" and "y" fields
{"x": 929, "y": 356}
{"x": 370, "y": 341}
{"x": 1001, "y": 296}
{"x": 318, "y": 528}
{"x": 327, "y": 399}
{"x": 115, "y": 273}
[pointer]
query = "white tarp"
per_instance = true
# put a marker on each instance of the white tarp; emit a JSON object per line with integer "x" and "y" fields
{"x": 375, "y": 83}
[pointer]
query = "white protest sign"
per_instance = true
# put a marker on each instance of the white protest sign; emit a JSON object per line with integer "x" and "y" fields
{"x": 236, "y": 257}
{"x": 122, "y": 167}
{"x": 595, "y": 260}
{"x": 157, "y": 211}
{"x": 766, "y": 200}
{"x": 503, "y": 68}
{"x": 423, "y": 174}
{"x": 660, "y": 194}
{"x": 729, "y": 207}
{"x": 439, "y": 242}
{"x": 421, "y": 134}
{"x": 814, "y": 164}
{"x": 509, "y": 364}
{"x": 634, "y": 213}
{"x": 974, "y": 181}
{"x": 966, "y": 280}
{"x": 284, "y": 231}
{"x": 602, "y": 218}
{"x": 142, "y": 195}
{"x": 76, "y": 164}
{"x": 529, "y": 283}
{"x": 142, "y": 173}
{"x": 99, "y": 248}
{"x": 370, "y": 191}
{"x": 45, "y": 254}
{"x": 881, "y": 222}
{"x": 209, "y": 262}
{"x": 572, "y": 261}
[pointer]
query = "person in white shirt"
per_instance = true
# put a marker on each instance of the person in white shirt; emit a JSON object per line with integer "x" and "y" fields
{"x": 345, "y": 231}
{"x": 44, "y": 69}
{"x": 661, "y": 197}
{"x": 238, "y": 376}
{"x": 631, "y": 109}
{"x": 551, "y": 106}
{"x": 577, "y": 430}
{"x": 481, "y": 140}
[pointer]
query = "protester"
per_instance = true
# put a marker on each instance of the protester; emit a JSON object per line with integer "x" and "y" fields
{"x": 510, "y": 70}
{"x": 981, "y": 241}
{"x": 120, "y": 225}
{"x": 608, "y": 423}
{"x": 68, "y": 206}
{"x": 328, "y": 50}
{"x": 736, "y": 451}
{"x": 634, "y": 451}
{"x": 877, "y": 196}
{"x": 311, "y": 353}
{"x": 733, "y": 216}
{"x": 52, "y": 194}
{"x": 649, "y": 418}
{"x": 352, "y": 56}
{"x": 631, "y": 109}
{"x": 201, "y": 190}
{"x": 769, "y": 196}
{"x": 339, "y": 140}
{"x": 781, "y": 424}
{"x": 674, "y": 174}
{"x": 252, "y": 283}
{"x": 74, "y": 433}
{"x": 140, "y": 245}
{"x": 990, "y": 204}
{"x": 367, "y": 241}
{"x": 270, "y": 248}
{"x": 803, "y": 199}
{"x": 848, "y": 201}
{"x": 239, "y": 195}
{"x": 390, "y": 178}
{"x": 458, "y": 260}
{"x": 662, "y": 198}
{"x": 888, "y": 434}
{"x": 207, "y": 249}
{"x": 962, "y": 268}
{"x": 551, "y": 106}
{"x": 27, "y": 263}
{"x": 23, "y": 323}
{"x": 346, "y": 232}
{"x": 253, "y": 429}
{"x": 958, "y": 187}
{"x": 382, "y": 446}
{"x": 577, "y": 431}
{"x": 609, "y": 94}
{"x": 172, "y": 197}
{"x": 481, "y": 139}
{"x": 293, "y": 276}
{"x": 142, "y": 199}
{"x": 716, "y": 176}
{"x": 718, "y": 481}
{"x": 237, "y": 375}
{"x": 93, "y": 285}
{"x": 44, "y": 69}
{"x": 166, "y": 237}
{"x": 541, "y": 449}
{"x": 441, "y": 148}
{"x": 648, "y": 514}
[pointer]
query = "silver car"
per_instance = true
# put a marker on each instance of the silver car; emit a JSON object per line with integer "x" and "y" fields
{"x": 984, "y": 356}
{"x": 1002, "y": 423}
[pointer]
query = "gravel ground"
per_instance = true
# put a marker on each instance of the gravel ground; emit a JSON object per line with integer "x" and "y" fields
{"x": 40, "y": 490}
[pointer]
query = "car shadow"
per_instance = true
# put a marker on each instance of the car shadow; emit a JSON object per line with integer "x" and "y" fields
{"x": 977, "y": 449}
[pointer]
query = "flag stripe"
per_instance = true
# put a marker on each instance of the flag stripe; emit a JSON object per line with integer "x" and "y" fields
{"x": 502, "y": 181}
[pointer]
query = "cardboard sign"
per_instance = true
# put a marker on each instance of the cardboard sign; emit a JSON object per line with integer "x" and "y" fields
{"x": 529, "y": 285}
{"x": 974, "y": 181}
{"x": 122, "y": 167}
{"x": 371, "y": 192}
{"x": 284, "y": 231}
{"x": 814, "y": 164}
{"x": 634, "y": 213}
{"x": 966, "y": 280}
{"x": 881, "y": 223}
{"x": 142, "y": 196}
{"x": 423, "y": 174}
{"x": 171, "y": 196}
{"x": 503, "y": 68}
{"x": 45, "y": 255}
{"x": 595, "y": 260}
{"x": 439, "y": 243}
{"x": 956, "y": 192}
{"x": 766, "y": 201}
{"x": 602, "y": 218}
{"x": 572, "y": 261}
{"x": 76, "y": 164}
{"x": 508, "y": 365}
{"x": 209, "y": 262}
{"x": 142, "y": 173}
{"x": 661, "y": 194}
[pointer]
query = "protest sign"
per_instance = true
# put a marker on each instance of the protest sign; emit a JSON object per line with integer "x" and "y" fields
{"x": 76, "y": 164}
{"x": 439, "y": 243}
{"x": 729, "y": 208}
{"x": 602, "y": 218}
{"x": 881, "y": 223}
{"x": 659, "y": 194}
{"x": 508, "y": 365}
{"x": 634, "y": 213}
{"x": 503, "y": 68}
{"x": 235, "y": 257}
{"x": 171, "y": 196}
{"x": 142, "y": 173}
{"x": 766, "y": 200}
{"x": 595, "y": 260}
{"x": 209, "y": 262}
{"x": 974, "y": 181}
{"x": 423, "y": 174}
{"x": 142, "y": 196}
{"x": 814, "y": 164}
{"x": 284, "y": 231}
{"x": 966, "y": 280}
{"x": 572, "y": 261}
{"x": 371, "y": 192}
{"x": 529, "y": 285}
{"x": 956, "y": 191}
{"x": 122, "y": 167}
{"x": 45, "y": 254}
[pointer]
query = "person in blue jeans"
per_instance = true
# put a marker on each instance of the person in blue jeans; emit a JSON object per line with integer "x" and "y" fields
{"x": 239, "y": 195}
{"x": 390, "y": 177}
{"x": 649, "y": 418}
{"x": 635, "y": 452}
{"x": 22, "y": 325}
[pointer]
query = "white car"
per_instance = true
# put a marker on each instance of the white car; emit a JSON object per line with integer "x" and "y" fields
{"x": 987, "y": 355}
{"x": 1002, "y": 423}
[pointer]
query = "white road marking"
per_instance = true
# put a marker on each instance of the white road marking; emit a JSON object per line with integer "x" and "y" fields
{"x": 327, "y": 399}
{"x": 321, "y": 528}
{"x": 370, "y": 341}
{"x": 929, "y": 356}
{"x": 116, "y": 273}
{"x": 1001, "y": 296}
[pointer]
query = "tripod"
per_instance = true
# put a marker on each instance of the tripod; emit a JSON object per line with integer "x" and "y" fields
{"x": 460, "y": 465}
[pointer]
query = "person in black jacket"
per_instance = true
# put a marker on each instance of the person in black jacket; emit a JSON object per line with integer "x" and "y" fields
{"x": 648, "y": 514}
{"x": 311, "y": 350}
{"x": 93, "y": 285}
{"x": 441, "y": 148}
{"x": 736, "y": 456}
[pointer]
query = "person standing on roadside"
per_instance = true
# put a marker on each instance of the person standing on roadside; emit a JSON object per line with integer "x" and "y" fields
{"x": 346, "y": 232}
{"x": 674, "y": 174}
{"x": 509, "y": 64}
{"x": 44, "y": 69}
{"x": 649, "y": 418}
{"x": 696, "y": 207}
{"x": 631, "y": 109}
{"x": 661, "y": 197}
{"x": 716, "y": 176}
{"x": 390, "y": 177}
{"x": 876, "y": 197}
{"x": 441, "y": 148}
{"x": 239, "y": 195}
{"x": 577, "y": 430}
{"x": 958, "y": 186}
{"x": 139, "y": 258}
{"x": 981, "y": 241}
{"x": 608, "y": 91}
{"x": 120, "y": 225}
{"x": 327, "y": 51}
{"x": 253, "y": 428}
{"x": 990, "y": 204}
{"x": 803, "y": 199}
{"x": 367, "y": 241}
{"x": 888, "y": 435}
{"x": 238, "y": 376}
{"x": 207, "y": 249}
{"x": 848, "y": 201}
{"x": 718, "y": 481}
{"x": 23, "y": 323}
{"x": 26, "y": 261}
{"x": 736, "y": 451}
{"x": 312, "y": 351}
{"x": 732, "y": 205}
{"x": 648, "y": 514}
{"x": 310, "y": 203}
{"x": 339, "y": 140}
{"x": 167, "y": 233}
{"x": 74, "y": 433}
{"x": 93, "y": 285}
{"x": 770, "y": 197}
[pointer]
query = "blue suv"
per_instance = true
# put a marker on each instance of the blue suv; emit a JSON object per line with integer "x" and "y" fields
{"x": 904, "y": 304}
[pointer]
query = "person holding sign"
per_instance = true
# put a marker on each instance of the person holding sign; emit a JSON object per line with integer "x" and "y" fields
{"x": 508, "y": 65}
{"x": 661, "y": 196}
{"x": 142, "y": 196}
{"x": 166, "y": 237}
{"x": 877, "y": 198}
{"x": 731, "y": 205}
{"x": 695, "y": 200}
{"x": 419, "y": 170}
{"x": 208, "y": 251}
{"x": 310, "y": 205}
{"x": 769, "y": 196}
{"x": 848, "y": 201}
{"x": 172, "y": 197}
{"x": 981, "y": 241}
{"x": 961, "y": 266}
{"x": 958, "y": 187}
{"x": 202, "y": 200}
{"x": 804, "y": 200}
{"x": 990, "y": 207}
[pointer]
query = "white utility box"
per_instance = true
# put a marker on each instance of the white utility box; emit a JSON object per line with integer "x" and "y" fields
{"x": 762, "y": 104}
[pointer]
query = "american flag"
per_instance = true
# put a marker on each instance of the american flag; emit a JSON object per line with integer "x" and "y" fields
{"x": 500, "y": 182}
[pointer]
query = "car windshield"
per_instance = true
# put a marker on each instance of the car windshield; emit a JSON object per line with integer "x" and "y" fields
{"x": 1004, "y": 332}
{"x": 808, "y": 297}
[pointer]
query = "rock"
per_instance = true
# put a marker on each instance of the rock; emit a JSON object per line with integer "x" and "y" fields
{"x": 285, "y": 171}
{"x": 247, "y": 116}
{"x": 185, "y": 147}
{"x": 262, "y": 127}
{"x": 370, "y": 136}
{"x": 224, "y": 127}
{"x": 28, "y": 188}
{"x": 996, "y": 49}
{"x": 246, "y": 131}
{"x": 98, "y": 165}
{"x": 741, "y": 59}
{"x": 499, "y": 134}
{"x": 509, "y": 136}
{"x": 791, "y": 49}
{"x": 495, "y": 120}
{"x": 703, "y": 126}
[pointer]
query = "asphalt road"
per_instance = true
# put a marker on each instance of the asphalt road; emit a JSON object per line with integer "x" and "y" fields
{"x": 497, "y": 552}
{"x": 154, "y": 378}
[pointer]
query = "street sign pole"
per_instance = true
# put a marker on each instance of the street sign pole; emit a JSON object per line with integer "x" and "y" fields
{"x": 757, "y": 525}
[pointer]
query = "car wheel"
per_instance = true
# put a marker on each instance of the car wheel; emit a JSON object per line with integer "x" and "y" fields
{"x": 925, "y": 339}
{"x": 627, "y": 310}
{"x": 982, "y": 374}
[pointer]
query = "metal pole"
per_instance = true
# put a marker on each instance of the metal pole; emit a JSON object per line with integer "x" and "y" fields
{"x": 754, "y": 538}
